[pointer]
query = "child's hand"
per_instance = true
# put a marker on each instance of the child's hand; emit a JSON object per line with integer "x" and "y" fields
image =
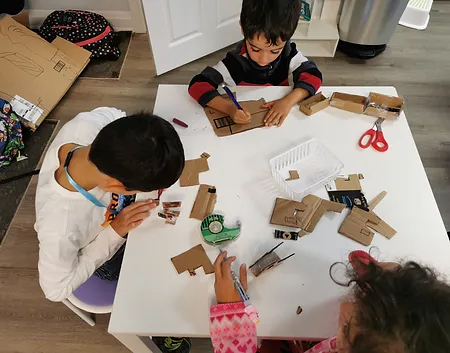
{"x": 132, "y": 216}
{"x": 224, "y": 285}
{"x": 279, "y": 110}
{"x": 240, "y": 116}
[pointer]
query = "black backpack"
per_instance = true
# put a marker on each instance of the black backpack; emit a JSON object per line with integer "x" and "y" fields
{"x": 85, "y": 29}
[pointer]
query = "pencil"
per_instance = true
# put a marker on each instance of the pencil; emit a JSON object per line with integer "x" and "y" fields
{"x": 230, "y": 94}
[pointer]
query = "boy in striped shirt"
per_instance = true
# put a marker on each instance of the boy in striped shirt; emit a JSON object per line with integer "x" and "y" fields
{"x": 265, "y": 57}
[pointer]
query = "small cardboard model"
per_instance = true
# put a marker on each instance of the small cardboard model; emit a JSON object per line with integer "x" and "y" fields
{"x": 314, "y": 104}
{"x": 356, "y": 225}
{"x": 35, "y": 74}
{"x": 192, "y": 168}
{"x": 305, "y": 214}
{"x": 204, "y": 202}
{"x": 223, "y": 125}
{"x": 193, "y": 259}
{"x": 382, "y": 106}
{"x": 350, "y": 102}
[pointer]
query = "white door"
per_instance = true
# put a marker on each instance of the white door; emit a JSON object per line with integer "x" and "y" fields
{"x": 184, "y": 30}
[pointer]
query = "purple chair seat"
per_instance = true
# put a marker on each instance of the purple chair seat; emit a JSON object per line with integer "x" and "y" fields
{"x": 96, "y": 291}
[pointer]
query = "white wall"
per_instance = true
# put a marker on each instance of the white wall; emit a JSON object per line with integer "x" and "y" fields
{"x": 124, "y": 15}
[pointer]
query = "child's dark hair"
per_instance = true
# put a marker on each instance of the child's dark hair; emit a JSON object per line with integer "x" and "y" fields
{"x": 275, "y": 19}
{"x": 400, "y": 310}
{"x": 142, "y": 151}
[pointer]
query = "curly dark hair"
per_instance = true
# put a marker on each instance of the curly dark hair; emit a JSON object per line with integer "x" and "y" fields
{"x": 405, "y": 309}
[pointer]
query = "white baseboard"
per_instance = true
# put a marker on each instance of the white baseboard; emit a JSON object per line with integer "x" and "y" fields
{"x": 120, "y": 20}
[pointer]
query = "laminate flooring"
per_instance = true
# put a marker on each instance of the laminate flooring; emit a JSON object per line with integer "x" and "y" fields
{"x": 416, "y": 63}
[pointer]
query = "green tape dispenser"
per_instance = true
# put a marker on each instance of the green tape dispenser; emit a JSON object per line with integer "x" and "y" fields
{"x": 214, "y": 231}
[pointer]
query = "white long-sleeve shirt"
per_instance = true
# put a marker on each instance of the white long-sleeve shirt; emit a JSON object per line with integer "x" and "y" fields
{"x": 74, "y": 235}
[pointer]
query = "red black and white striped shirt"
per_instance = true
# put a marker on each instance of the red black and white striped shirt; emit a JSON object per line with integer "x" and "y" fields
{"x": 291, "y": 68}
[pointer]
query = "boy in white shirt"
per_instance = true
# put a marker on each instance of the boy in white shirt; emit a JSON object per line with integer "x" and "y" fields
{"x": 85, "y": 195}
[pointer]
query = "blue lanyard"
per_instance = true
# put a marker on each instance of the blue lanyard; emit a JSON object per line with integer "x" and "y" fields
{"x": 78, "y": 187}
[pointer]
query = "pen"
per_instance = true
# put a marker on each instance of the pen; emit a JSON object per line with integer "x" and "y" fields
{"x": 230, "y": 94}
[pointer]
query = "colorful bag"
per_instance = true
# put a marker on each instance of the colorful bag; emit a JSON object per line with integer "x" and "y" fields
{"x": 11, "y": 141}
{"x": 85, "y": 29}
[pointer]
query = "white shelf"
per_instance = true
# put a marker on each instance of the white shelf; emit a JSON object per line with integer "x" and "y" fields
{"x": 316, "y": 29}
{"x": 316, "y": 48}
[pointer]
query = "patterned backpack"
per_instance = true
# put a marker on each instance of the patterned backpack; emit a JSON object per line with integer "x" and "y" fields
{"x": 11, "y": 141}
{"x": 85, "y": 29}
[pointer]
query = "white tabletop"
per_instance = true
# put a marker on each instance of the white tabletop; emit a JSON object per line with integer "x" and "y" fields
{"x": 153, "y": 299}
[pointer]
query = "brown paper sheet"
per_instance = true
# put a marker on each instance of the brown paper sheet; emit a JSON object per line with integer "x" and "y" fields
{"x": 223, "y": 125}
{"x": 204, "y": 202}
{"x": 192, "y": 168}
{"x": 193, "y": 259}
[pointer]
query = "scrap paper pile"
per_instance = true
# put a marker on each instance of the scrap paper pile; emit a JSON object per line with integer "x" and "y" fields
{"x": 348, "y": 191}
{"x": 344, "y": 192}
{"x": 170, "y": 211}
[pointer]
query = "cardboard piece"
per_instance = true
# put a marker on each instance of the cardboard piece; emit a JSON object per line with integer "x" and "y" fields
{"x": 350, "y": 198}
{"x": 193, "y": 259}
{"x": 356, "y": 226}
{"x": 305, "y": 214}
{"x": 382, "y": 106}
{"x": 299, "y": 310}
{"x": 223, "y": 125}
{"x": 314, "y": 104}
{"x": 205, "y": 155}
{"x": 23, "y": 18}
{"x": 36, "y": 72}
{"x": 350, "y": 183}
{"x": 377, "y": 200}
{"x": 293, "y": 175}
{"x": 192, "y": 168}
{"x": 204, "y": 202}
{"x": 350, "y": 102}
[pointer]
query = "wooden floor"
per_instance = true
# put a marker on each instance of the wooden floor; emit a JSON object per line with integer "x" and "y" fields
{"x": 417, "y": 63}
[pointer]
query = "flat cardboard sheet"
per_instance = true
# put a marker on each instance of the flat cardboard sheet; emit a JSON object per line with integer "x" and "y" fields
{"x": 350, "y": 102}
{"x": 377, "y": 200}
{"x": 35, "y": 70}
{"x": 204, "y": 202}
{"x": 382, "y": 106}
{"x": 350, "y": 183}
{"x": 305, "y": 214}
{"x": 192, "y": 168}
{"x": 356, "y": 226}
{"x": 193, "y": 259}
{"x": 314, "y": 104}
{"x": 223, "y": 125}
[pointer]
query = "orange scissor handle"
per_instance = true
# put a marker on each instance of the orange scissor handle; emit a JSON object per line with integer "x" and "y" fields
{"x": 367, "y": 138}
{"x": 380, "y": 144}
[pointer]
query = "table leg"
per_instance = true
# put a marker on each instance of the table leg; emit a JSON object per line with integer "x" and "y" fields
{"x": 137, "y": 344}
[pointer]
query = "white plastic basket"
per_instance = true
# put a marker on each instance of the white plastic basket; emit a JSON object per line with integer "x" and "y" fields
{"x": 417, "y": 14}
{"x": 315, "y": 164}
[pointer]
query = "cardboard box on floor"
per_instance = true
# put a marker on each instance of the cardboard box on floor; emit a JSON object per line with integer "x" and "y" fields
{"x": 35, "y": 74}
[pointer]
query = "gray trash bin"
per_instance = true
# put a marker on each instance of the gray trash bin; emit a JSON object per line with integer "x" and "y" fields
{"x": 366, "y": 26}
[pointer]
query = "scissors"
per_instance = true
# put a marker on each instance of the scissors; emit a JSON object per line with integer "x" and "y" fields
{"x": 374, "y": 137}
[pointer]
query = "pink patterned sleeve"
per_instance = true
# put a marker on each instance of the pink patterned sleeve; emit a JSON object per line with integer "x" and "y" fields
{"x": 327, "y": 346}
{"x": 231, "y": 329}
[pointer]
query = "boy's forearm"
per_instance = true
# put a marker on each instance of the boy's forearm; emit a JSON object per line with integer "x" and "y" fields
{"x": 296, "y": 96}
{"x": 222, "y": 105}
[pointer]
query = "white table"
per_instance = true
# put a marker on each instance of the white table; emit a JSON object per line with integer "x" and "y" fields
{"x": 153, "y": 300}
